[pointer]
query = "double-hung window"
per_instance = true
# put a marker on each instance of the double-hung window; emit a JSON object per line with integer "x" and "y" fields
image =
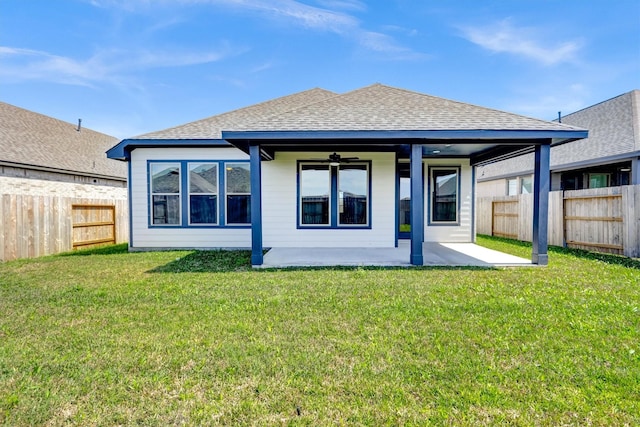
{"x": 444, "y": 182}
{"x": 334, "y": 196}
{"x": 165, "y": 193}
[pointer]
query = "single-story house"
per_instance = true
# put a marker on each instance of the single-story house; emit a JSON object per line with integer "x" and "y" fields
{"x": 609, "y": 157}
{"x": 318, "y": 169}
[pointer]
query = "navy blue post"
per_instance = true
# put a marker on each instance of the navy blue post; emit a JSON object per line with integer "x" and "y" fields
{"x": 635, "y": 171}
{"x": 417, "y": 205}
{"x": 256, "y": 206}
{"x": 541, "y": 204}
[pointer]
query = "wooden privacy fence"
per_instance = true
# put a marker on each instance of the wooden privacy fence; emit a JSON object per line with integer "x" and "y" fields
{"x": 600, "y": 219}
{"x": 32, "y": 226}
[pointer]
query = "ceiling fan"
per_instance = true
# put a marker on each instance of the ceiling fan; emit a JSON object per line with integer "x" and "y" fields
{"x": 335, "y": 159}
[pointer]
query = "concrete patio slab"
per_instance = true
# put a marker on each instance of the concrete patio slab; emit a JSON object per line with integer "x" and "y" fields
{"x": 435, "y": 254}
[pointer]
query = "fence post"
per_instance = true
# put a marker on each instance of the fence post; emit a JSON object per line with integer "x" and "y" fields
{"x": 631, "y": 224}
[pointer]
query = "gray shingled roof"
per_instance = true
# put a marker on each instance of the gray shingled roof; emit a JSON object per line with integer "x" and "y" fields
{"x": 212, "y": 127}
{"x": 614, "y": 130}
{"x": 30, "y": 138}
{"x": 380, "y": 107}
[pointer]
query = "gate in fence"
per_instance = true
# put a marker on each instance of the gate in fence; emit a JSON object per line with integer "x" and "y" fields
{"x": 93, "y": 225}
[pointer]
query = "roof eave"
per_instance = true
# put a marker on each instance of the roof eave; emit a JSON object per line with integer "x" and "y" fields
{"x": 122, "y": 151}
{"x": 242, "y": 139}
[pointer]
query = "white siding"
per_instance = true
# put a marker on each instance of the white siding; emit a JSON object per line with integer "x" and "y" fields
{"x": 160, "y": 237}
{"x": 451, "y": 233}
{"x": 279, "y": 204}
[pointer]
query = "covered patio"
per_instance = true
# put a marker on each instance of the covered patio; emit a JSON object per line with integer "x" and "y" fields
{"x": 435, "y": 254}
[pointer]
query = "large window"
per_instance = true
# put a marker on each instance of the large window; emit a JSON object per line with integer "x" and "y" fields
{"x": 334, "y": 196}
{"x": 353, "y": 186}
{"x": 165, "y": 193}
{"x": 238, "y": 178}
{"x": 200, "y": 193}
{"x": 315, "y": 191}
{"x": 444, "y": 185}
{"x": 203, "y": 193}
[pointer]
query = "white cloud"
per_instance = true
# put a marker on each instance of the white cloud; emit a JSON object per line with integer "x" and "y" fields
{"x": 503, "y": 37}
{"x": 329, "y": 17}
{"x": 106, "y": 66}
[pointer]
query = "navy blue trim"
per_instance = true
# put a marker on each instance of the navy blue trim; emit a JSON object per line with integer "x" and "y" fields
{"x": 222, "y": 184}
{"x": 417, "y": 206}
{"x": 122, "y": 150}
{"x": 431, "y": 222}
{"x": 397, "y": 204}
{"x": 334, "y": 223}
{"x": 473, "y": 204}
{"x": 476, "y": 134}
{"x": 257, "y": 258}
{"x": 130, "y": 203}
{"x": 333, "y": 211}
{"x": 184, "y": 195}
{"x": 541, "y": 178}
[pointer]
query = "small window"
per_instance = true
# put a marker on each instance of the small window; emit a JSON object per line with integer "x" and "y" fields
{"x": 444, "y": 195}
{"x": 526, "y": 185}
{"x": 599, "y": 180}
{"x": 203, "y": 193}
{"x": 512, "y": 187}
{"x": 165, "y": 193}
{"x": 315, "y": 190}
{"x": 238, "y": 186}
{"x": 353, "y": 183}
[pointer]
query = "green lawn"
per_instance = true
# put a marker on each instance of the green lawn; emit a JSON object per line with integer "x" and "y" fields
{"x": 197, "y": 338}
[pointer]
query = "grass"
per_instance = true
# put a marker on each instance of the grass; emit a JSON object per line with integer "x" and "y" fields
{"x": 106, "y": 337}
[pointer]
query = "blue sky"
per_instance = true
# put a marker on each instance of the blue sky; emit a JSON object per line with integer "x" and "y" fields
{"x": 132, "y": 66}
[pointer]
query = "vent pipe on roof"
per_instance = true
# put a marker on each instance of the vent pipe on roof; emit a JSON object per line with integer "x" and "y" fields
{"x": 79, "y": 125}
{"x": 559, "y": 116}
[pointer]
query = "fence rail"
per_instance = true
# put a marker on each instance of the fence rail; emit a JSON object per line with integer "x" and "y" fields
{"x": 32, "y": 226}
{"x": 602, "y": 219}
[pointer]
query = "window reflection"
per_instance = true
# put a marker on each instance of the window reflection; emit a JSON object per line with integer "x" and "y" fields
{"x": 315, "y": 188}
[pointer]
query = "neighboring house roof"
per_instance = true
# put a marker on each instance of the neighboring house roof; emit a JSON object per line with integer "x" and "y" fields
{"x": 614, "y": 136}
{"x": 33, "y": 140}
{"x": 380, "y": 107}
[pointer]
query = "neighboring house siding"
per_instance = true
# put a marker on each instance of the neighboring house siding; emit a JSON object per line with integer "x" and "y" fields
{"x": 451, "y": 233}
{"x": 167, "y": 237}
{"x": 279, "y": 201}
{"x": 26, "y": 172}
{"x": 39, "y": 187}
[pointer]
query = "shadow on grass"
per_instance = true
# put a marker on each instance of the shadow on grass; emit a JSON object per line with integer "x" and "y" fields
{"x": 218, "y": 261}
{"x": 578, "y": 253}
{"x": 208, "y": 262}
{"x": 121, "y": 248}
